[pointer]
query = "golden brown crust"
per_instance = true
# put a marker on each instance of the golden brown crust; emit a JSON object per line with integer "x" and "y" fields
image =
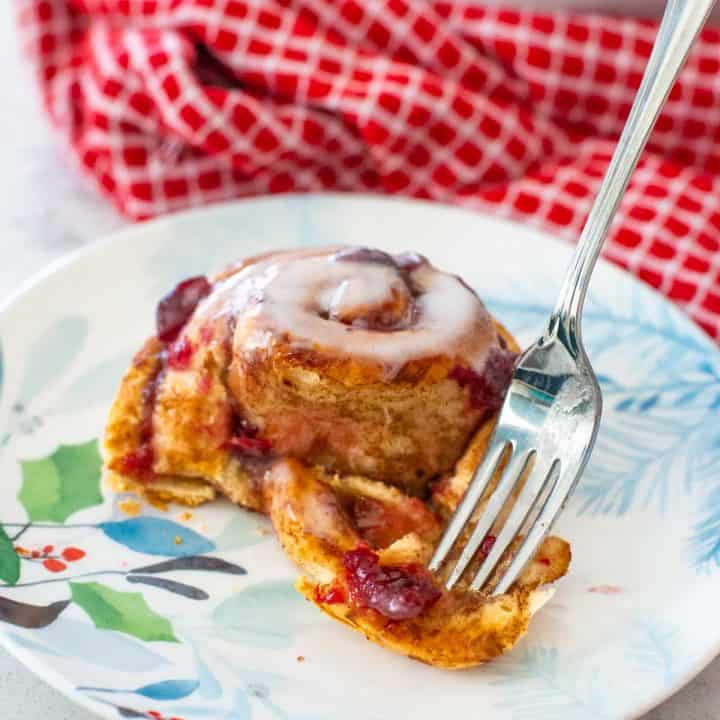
{"x": 122, "y": 432}
{"x": 462, "y": 629}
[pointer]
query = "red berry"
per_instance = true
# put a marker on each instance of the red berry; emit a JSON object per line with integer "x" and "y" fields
{"x": 35, "y": 554}
{"x": 48, "y": 549}
{"x": 54, "y": 565}
{"x": 176, "y": 308}
{"x": 399, "y": 592}
{"x": 72, "y": 553}
{"x": 154, "y": 714}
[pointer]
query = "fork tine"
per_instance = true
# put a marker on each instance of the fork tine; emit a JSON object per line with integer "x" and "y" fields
{"x": 471, "y": 498}
{"x": 566, "y": 481}
{"x": 505, "y": 485}
{"x": 539, "y": 477}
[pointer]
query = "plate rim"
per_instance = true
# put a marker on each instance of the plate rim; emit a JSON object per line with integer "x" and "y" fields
{"x": 44, "y": 670}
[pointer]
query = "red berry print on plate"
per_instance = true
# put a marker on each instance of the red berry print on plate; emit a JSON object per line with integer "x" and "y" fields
{"x": 54, "y": 565}
{"x": 72, "y": 554}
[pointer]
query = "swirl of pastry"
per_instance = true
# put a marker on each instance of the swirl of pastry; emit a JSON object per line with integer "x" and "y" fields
{"x": 348, "y": 358}
{"x": 360, "y": 361}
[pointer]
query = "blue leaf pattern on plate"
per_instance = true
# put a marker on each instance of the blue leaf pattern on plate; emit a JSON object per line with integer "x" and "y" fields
{"x": 95, "y": 386}
{"x": 568, "y": 687}
{"x": 109, "y": 650}
{"x": 51, "y": 353}
{"x": 243, "y": 531}
{"x": 157, "y": 536}
{"x": 645, "y": 425}
{"x": 168, "y": 689}
{"x": 165, "y": 690}
{"x": 28, "y": 644}
{"x": 267, "y": 614}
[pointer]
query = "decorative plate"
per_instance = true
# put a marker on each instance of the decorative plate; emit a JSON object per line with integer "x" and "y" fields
{"x": 126, "y": 614}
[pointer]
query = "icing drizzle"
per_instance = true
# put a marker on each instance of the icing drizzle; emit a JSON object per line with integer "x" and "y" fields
{"x": 355, "y": 302}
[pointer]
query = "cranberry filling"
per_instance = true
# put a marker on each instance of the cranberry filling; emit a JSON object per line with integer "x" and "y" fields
{"x": 380, "y": 524}
{"x": 254, "y": 447}
{"x": 205, "y": 383}
{"x": 175, "y": 309}
{"x": 180, "y": 354}
{"x": 207, "y": 334}
{"x": 399, "y": 592}
{"x": 487, "y": 390}
{"x": 244, "y": 439}
{"x": 139, "y": 463}
{"x": 329, "y": 596}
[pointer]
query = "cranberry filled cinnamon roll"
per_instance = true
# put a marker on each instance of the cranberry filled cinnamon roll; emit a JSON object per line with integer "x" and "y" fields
{"x": 350, "y": 359}
{"x": 349, "y": 394}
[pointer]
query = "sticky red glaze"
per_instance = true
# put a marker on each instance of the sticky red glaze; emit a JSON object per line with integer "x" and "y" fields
{"x": 399, "y": 592}
{"x": 329, "y": 596}
{"x": 487, "y": 390}
{"x": 175, "y": 309}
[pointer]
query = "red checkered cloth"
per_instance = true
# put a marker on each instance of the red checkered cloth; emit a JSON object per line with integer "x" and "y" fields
{"x": 172, "y": 103}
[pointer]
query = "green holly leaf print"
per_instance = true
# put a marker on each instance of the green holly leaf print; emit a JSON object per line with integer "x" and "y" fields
{"x": 9, "y": 560}
{"x": 59, "y": 485}
{"x": 126, "y": 612}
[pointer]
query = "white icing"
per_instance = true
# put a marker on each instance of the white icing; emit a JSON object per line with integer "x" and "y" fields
{"x": 304, "y": 295}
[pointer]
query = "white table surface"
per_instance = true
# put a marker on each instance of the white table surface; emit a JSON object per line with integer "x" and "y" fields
{"x": 46, "y": 211}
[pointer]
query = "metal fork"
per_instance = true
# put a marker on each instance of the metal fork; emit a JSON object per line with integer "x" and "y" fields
{"x": 550, "y": 417}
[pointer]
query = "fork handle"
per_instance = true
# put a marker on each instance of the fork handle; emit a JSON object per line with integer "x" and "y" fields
{"x": 680, "y": 25}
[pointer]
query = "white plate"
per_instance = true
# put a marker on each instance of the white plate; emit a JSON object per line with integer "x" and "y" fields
{"x": 634, "y": 620}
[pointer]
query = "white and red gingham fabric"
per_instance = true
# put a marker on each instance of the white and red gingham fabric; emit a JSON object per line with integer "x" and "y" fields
{"x": 173, "y": 103}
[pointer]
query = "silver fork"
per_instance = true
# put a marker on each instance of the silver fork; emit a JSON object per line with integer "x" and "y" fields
{"x": 552, "y": 410}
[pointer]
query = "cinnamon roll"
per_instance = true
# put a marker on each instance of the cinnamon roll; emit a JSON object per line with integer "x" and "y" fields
{"x": 348, "y": 393}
